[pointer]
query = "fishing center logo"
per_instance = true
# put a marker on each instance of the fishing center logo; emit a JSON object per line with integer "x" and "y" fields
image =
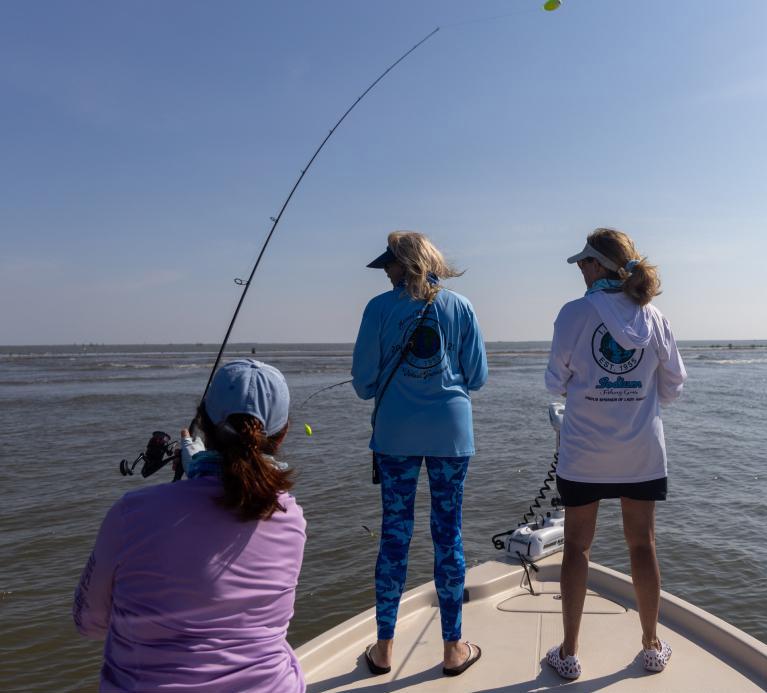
{"x": 427, "y": 351}
{"x": 611, "y": 356}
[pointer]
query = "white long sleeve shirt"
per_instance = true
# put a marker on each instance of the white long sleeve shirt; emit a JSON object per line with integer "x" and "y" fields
{"x": 616, "y": 362}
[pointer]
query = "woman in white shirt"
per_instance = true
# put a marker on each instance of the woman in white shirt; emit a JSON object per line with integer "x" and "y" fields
{"x": 613, "y": 355}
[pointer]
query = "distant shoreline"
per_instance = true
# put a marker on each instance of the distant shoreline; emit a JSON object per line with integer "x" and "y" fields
{"x": 494, "y": 346}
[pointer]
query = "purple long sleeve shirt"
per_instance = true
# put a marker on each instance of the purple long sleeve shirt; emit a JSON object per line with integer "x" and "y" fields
{"x": 189, "y": 597}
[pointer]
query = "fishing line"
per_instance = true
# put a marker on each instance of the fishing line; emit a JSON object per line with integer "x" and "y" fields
{"x": 548, "y": 6}
{"x": 479, "y": 20}
{"x": 329, "y": 387}
{"x": 245, "y": 283}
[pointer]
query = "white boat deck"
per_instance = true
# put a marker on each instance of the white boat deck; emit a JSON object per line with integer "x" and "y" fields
{"x": 515, "y": 629}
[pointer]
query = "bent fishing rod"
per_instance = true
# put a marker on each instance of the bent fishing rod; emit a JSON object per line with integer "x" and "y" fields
{"x": 276, "y": 220}
{"x": 161, "y": 449}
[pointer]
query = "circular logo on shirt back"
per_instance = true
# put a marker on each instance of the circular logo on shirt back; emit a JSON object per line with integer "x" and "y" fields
{"x": 610, "y": 355}
{"x": 427, "y": 349}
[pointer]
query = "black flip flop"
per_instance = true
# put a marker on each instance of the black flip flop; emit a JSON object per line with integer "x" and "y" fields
{"x": 469, "y": 661}
{"x": 374, "y": 668}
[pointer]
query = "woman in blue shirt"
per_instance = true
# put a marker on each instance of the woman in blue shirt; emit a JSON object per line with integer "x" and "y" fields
{"x": 427, "y": 339}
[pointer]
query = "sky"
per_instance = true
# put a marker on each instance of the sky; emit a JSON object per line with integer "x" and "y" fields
{"x": 144, "y": 146}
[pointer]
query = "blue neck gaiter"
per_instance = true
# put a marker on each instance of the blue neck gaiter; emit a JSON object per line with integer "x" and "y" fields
{"x": 611, "y": 285}
{"x": 205, "y": 463}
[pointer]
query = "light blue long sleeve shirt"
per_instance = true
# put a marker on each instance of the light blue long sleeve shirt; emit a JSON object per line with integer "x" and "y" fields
{"x": 426, "y": 409}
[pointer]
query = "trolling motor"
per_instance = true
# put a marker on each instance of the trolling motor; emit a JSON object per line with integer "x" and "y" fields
{"x": 159, "y": 451}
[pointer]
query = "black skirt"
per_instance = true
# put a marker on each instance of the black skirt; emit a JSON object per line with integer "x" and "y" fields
{"x": 574, "y": 493}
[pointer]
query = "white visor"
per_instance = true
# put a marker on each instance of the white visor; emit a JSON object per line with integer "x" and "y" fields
{"x": 588, "y": 251}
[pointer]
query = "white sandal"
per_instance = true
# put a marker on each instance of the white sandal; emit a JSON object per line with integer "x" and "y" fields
{"x": 656, "y": 660}
{"x": 567, "y": 668}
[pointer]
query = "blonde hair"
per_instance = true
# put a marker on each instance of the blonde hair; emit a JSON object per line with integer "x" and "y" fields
{"x": 642, "y": 283}
{"x": 420, "y": 258}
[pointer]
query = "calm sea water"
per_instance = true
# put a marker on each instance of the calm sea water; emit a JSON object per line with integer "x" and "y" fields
{"x": 69, "y": 414}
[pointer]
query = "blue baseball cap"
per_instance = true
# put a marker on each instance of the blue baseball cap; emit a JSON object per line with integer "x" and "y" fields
{"x": 383, "y": 259}
{"x": 247, "y": 386}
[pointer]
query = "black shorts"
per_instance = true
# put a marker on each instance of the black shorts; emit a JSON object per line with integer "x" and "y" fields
{"x": 574, "y": 493}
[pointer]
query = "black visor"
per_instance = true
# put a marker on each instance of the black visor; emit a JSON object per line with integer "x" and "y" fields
{"x": 383, "y": 259}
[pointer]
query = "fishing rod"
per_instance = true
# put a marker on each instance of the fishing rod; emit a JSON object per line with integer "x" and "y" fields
{"x": 161, "y": 455}
{"x": 276, "y": 220}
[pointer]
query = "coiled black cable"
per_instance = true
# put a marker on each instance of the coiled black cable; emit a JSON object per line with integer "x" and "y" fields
{"x": 536, "y": 504}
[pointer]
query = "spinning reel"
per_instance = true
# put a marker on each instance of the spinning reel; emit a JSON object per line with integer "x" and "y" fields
{"x": 159, "y": 451}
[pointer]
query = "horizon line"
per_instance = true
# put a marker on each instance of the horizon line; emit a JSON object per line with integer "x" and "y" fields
{"x": 723, "y": 341}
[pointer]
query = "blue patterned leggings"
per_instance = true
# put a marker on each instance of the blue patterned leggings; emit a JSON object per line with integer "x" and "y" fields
{"x": 399, "y": 478}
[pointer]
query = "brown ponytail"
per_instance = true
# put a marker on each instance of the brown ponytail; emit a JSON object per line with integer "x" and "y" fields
{"x": 642, "y": 284}
{"x": 251, "y": 482}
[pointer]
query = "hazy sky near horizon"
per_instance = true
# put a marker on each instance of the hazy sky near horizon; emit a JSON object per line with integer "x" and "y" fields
{"x": 145, "y": 146}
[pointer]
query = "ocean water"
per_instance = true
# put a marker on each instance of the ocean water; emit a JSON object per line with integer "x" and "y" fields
{"x": 69, "y": 414}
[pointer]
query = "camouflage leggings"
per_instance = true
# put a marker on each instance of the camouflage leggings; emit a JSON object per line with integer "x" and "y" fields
{"x": 399, "y": 478}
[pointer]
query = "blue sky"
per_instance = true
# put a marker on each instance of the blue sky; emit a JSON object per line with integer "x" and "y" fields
{"x": 146, "y": 144}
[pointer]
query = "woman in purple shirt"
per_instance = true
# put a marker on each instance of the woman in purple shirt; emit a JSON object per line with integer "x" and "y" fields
{"x": 193, "y": 583}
